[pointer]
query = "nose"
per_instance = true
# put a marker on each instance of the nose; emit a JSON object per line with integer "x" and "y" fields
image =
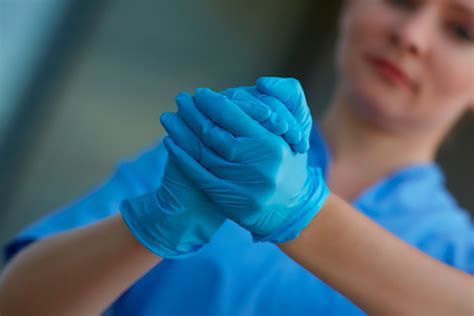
{"x": 412, "y": 33}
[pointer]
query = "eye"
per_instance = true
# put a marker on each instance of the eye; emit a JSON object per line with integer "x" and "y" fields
{"x": 460, "y": 32}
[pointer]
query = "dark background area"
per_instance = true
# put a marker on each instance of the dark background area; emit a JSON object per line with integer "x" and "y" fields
{"x": 83, "y": 84}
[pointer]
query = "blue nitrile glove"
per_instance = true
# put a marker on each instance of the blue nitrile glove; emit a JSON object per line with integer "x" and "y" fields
{"x": 251, "y": 174}
{"x": 177, "y": 219}
{"x": 292, "y": 108}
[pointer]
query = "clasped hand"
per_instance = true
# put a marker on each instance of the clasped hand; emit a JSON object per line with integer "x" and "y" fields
{"x": 239, "y": 154}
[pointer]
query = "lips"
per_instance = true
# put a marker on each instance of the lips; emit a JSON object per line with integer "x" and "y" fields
{"x": 391, "y": 72}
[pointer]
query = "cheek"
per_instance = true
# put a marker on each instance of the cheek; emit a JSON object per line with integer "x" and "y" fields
{"x": 449, "y": 81}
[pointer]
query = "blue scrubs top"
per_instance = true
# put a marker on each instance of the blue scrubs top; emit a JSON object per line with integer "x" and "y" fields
{"x": 233, "y": 276}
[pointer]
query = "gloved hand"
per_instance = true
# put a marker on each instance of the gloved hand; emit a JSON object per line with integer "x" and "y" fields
{"x": 253, "y": 175}
{"x": 177, "y": 219}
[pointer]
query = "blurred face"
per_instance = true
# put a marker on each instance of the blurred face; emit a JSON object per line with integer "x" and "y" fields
{"x": 408, "y": 64}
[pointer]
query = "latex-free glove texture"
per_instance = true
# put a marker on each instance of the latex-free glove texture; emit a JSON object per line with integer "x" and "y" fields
{"x": 251, "y": 174}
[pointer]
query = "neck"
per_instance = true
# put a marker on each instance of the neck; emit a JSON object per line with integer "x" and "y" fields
{"x": 363, "y": 152}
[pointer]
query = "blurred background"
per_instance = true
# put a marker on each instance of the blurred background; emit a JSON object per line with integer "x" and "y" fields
{"x": 83, "y": 83}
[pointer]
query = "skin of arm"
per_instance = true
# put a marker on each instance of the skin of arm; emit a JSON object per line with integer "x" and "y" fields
{"x": 376, "y": 270}
{"x": 79, "y": 272}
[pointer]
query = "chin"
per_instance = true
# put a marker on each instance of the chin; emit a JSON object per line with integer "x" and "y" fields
{"x": 374, "y": 100}
{"x": 375, "y": 106}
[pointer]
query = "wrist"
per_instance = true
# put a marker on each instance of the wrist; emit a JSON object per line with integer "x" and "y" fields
{"x": 152, "y": 225}
{"x": 167, "y": 228}
{"x": 299, "y": 218}
{"x": 129, "y": 242}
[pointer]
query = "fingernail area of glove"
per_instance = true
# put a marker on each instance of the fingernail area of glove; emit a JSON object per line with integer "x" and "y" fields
{"x": 302, "y": 147}
{"x": 241, "y": 94}
{"x": 279, "y": 123}
{"x": 164, "y": 118}
{"x": 201, "y": 91}
{"x": 262, "y": 111}
{"x": 293, "y": 136}
{"x": 181, "y": 96}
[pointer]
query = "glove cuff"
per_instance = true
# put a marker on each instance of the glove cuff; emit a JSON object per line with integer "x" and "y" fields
{"x": 299, "y": 219}
{"x": 153, "y": 224}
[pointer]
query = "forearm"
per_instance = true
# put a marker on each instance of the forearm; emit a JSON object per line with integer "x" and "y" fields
{"x": 376, "y": 270}
{"x": 80, "y": 272}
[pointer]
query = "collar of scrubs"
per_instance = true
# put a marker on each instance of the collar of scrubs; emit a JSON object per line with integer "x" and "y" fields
{"x": 414, "y": 182}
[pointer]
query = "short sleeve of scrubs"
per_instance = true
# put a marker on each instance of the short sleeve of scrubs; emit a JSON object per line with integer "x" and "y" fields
{"x": 130, "y": 178}
{"x": 414, "y": 204}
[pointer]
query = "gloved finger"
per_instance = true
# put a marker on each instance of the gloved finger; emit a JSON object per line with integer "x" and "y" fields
{"x": 179, "y": 131}
{"x": 294, "y": 133}
{"x": 302, "y": 147}
{"x": 221, "y": 141}
{"x": 275, "y": 123}
{"x": 222, "y": 192}
{"x": 256, "y": 110}
{"x": 290, "y": 92}
{"x": 191, "y": 169}
{"x": 230, "y": 92}
{"x": 182, "y": 134}
{"x": 294, "y": 136}
{"x": 227, "y": 114}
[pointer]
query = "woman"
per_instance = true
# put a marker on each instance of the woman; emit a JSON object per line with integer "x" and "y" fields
{"x": 396, "y": 100}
